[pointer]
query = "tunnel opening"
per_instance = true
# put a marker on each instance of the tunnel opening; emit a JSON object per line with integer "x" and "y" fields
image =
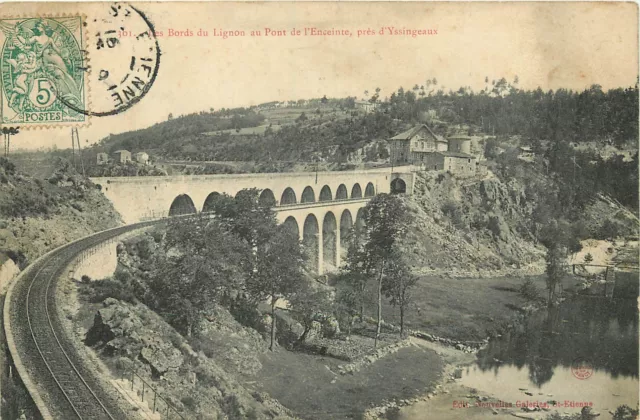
{"x": 398, "y": 186}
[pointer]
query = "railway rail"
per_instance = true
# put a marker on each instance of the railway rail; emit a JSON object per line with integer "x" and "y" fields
{"x": 41, "y": 349}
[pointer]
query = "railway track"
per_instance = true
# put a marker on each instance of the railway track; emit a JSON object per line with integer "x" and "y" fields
{"x": 39, "y": 345}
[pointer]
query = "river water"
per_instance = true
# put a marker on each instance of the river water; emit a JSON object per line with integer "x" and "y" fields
{"x": 543, "y": 355}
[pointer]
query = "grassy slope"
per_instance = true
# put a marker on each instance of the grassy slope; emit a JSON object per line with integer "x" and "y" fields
{"x": 305, "y": 384}
{"x": 467, "y": 309}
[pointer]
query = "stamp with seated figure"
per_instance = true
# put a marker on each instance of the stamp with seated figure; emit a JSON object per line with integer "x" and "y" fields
{"x": 42, "y": 69}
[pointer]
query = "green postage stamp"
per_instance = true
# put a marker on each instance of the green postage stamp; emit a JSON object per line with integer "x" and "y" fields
{"x": 43, "y": 71}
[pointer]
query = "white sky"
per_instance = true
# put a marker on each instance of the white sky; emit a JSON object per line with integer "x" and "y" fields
{"x": 551, "y": 45}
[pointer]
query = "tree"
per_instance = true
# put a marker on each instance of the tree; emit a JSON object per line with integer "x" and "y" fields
{"x": 302, "y": 117}
{"x": 559, "y": 238}
{"x": 385, "y": 218}
{"x": 309, "y": 303}
{"x": 357, "y": 270}
{"x": 252, "y": 220}
{"x": 397, "y": 285}
{"x": 8, "y": 132}
{"x": 278, "y": 271}
{"x": 204, "y": 260}
{"x": 346, "y": 304}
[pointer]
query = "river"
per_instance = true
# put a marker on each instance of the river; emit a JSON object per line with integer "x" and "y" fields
{"x": 542, "y": 356}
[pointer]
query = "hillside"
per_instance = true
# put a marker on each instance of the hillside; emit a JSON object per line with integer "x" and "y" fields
{"x": 471, "y": 228}
{"x": 38, "y": 215}
{"x": 325, "y": 134}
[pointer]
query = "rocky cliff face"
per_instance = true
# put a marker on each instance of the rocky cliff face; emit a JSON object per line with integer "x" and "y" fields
{"x": 470, "y": 227}
{"x": 132, "y": 336}
{"x": 37, "y": 216}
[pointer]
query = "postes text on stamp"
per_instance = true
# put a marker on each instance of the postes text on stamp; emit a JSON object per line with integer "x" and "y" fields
{"x": 42, "y": 69}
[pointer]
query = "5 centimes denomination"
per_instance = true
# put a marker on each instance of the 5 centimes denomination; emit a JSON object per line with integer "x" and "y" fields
{"x": 43, "y": 71}
{"x": 124, "y": 59}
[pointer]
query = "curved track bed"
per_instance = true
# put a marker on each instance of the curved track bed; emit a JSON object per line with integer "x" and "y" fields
{"x": 43, "y": 353}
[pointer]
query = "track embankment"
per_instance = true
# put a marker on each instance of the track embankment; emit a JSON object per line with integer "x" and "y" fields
{"x": 60, "y": 383}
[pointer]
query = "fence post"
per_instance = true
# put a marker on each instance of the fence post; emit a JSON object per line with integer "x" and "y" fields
{"x": 132, "y": 373}
{"x": 143, "y": 390}
{"x": 155, "y": 395}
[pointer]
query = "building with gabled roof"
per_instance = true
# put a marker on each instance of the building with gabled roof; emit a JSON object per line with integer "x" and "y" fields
{"x": 411, "y": 145}
{"x": 122, "y": 156}
{"x": 421, "y": 146}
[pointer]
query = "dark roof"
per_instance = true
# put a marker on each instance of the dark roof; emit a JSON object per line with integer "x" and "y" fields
{"x": 457, "y": 154}
{"x": 406, "y": 135}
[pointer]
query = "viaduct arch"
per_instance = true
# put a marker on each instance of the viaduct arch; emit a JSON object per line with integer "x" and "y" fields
{"x": 324, "y": 210}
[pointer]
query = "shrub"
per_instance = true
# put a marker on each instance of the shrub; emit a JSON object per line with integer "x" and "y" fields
{"x": 529, "y": 291}
{"x": 609, "y": 230}
{"x": 108, "y": 288}
{"x": 189, "y": 402}
{"x": 624, "y": 412}
{"x": 85, "y": 279}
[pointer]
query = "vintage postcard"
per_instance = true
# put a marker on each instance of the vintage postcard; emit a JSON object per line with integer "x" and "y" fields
{"x": 319, "y": 210}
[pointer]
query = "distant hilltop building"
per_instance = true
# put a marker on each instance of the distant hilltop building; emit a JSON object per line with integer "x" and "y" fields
{"x": 142, "y": 157}
{"x": 366, "y": 105}
{"x": 122, "y": 156}
{"x": 102, "y": 158}
{"x": 421, "y": 146}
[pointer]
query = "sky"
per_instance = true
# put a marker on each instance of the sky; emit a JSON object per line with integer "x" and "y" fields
{"x": 550, "y": 45}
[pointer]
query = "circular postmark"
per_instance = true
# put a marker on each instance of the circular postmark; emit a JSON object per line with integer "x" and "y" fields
{"x": 123, "y": 60}
{"x": 581, "y": 368}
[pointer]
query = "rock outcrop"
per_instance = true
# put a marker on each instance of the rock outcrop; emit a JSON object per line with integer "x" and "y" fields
{"x": 136, "y": 338}
{"x": 471, "y": 228}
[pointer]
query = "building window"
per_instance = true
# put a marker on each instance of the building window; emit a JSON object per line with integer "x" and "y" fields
{"x": 469, "y": 160}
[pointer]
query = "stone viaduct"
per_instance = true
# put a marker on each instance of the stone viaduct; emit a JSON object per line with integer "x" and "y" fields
{"x": 321, "y": 207}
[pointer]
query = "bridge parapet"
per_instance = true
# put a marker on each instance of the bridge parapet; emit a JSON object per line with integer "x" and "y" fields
{"x": 137, "y": 198}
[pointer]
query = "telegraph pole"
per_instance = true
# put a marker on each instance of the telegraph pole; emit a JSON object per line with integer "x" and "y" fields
{"x": 75, "y": 140}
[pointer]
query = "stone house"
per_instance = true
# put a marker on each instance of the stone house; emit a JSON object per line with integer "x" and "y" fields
{"x": 366, "y": 105}
{"x": 142, "y": 157}
{"x": 413, "y": 145}
{"x": 102, "y": 158}
{"x": 122, "y": 156}
{"x": 457, "y": 163}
